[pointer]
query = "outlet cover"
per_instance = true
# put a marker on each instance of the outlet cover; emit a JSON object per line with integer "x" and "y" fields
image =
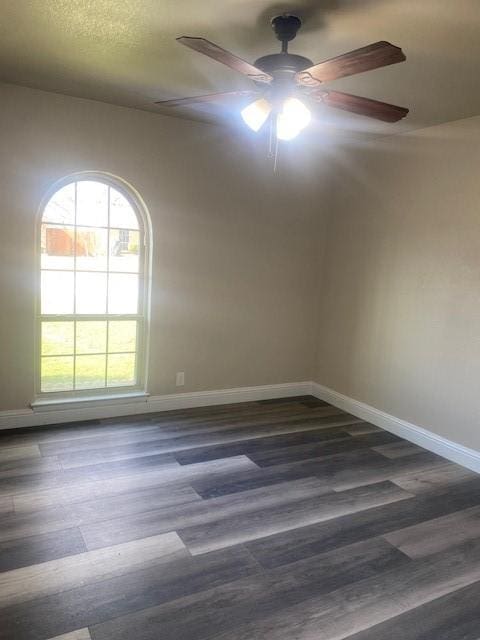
{"x": 180, "y": 380}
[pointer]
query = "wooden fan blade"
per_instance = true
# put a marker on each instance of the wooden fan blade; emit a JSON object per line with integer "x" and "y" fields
{"x": 219, "y": 98}
{"x": 373, "y": 56}
{"x": 225, "y": 57}
{"x": 363, "y": 106}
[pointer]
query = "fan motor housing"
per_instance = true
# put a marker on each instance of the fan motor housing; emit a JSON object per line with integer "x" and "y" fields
{"x": 283, "y": 67}
{"x": 283, "y": 63}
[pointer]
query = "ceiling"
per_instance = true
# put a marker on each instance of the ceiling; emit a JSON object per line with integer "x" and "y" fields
{"x": 124, "y": 52}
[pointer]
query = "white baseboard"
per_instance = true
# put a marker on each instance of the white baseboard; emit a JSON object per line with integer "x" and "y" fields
{"x": 97, "y": 409}
{"x": 453, "y": 451}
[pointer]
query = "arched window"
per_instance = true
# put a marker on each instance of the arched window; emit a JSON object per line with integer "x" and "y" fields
{"x": 93, "y": 289}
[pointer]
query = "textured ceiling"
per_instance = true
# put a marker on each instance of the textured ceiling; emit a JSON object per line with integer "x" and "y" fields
{"x": 124, "y": 51}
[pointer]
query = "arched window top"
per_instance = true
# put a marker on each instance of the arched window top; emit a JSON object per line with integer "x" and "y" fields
{"x": 87, "y": 202}
{"x": 91, "y": 329}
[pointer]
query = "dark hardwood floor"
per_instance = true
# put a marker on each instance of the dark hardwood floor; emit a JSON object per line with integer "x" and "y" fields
{"x": 273, "y": 520}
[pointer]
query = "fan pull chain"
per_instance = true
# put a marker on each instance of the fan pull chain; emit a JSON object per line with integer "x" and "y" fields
{"x": 275, "y": 161}
{"x": 273, "y": 146}
{"x": 270, "y": 140}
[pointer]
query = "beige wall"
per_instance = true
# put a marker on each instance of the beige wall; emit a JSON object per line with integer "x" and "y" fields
{"x": 399, "y": 321}
{"x": 235, "y": 246}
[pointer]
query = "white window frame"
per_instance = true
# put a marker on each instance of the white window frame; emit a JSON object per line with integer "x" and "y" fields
{"x": 144, "y": 290}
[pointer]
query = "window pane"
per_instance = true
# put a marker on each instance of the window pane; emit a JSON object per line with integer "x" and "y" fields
{"x": 124, "y": 250}
{"x": 91, "y": 294}
{"x": 91, "y": 249}
{"x": 121, "y": 212}
{"x": 92, "y": 203}
{"x": 57, "y": 247}
{"x": 122, "y": 293}
{"x": 57, "y": 374}
{"x": 122, "y": 335}
{"x": 89, "y": 372}
{"x": 57, "y": 292}
{"x": 91, "y": 337}
{"x": 61, "y": 206}
{"x": 57, "y": 338}
{"x": 121, "y": 370}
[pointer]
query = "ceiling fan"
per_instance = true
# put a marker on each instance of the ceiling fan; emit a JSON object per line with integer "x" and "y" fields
{"x": 285, "y": 81}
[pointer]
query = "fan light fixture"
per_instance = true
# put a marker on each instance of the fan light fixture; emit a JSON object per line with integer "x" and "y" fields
{"x": 292, "y": 117}
{"x": 256, "y": 113}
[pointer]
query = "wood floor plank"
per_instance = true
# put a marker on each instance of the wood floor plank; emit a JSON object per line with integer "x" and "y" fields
{"x": 106, "y": 471}
{"x": 97, "y": 602}
{"x": 27, "y": 436}
{"x": 398, "y": 449}
{"x": 151, "y": 431}
{"x": 341, "y": 471}
{"x": 6, "y": 504}
{"x": 442, "y": 477}
{"x": 373, "y": 467}
{"x": 304, "y": 542}
{"x": 284, "y": 455}
{"x": 319, "y": 431}
{"x": 39, "y": 580}
{"x": 155, "y": 521}
{"x": 30, "y": 499}
{"x": 166, "y": 419}
{"x": 29, "y": 525}
{"x": 205, "y": 614}
{"x": 259, "y": 523}
{"x": 80, "y": 634}
{"x": 308, "y": 400}
{"x": 230, "y": 410}
{"x": 251, "y": 478}
{"x": 22, "y": 552}
{"x": 28, "y": 466}
{"x": 18, "y": 453}
{"x": 455, "y": 616}
{"x": 195, "y": 617}
{"x": 437, "y": 534}
{"x": 369, "y": 602}
{"x": 292, "y": 411}
{"x": 206, "y": 439}
{"x": 155, "y": 442}
{"x": 362, "y": 428}
{"x": 223, "y": 413}
{"x": 169, "y": 429}
{"x": 133, "y": 503}
{"x": 118, "y": 468}
{"x": 123, "y": 453}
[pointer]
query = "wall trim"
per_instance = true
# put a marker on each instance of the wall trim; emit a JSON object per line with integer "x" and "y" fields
{"x": 453, "y": 451}
{"x": 108, "y": 408}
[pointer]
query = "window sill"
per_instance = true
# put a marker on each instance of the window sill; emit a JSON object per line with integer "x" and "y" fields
{"x": 42, "y": 404}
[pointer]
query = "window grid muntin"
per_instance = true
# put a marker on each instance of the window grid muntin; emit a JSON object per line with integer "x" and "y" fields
{"x": 74, "y": 288}
{"x": 88, "y": 226}
{"x": 114, "y": 273}
{"x": 139, "y": 317}
{"x": 106, "y": 293}
{"x": 139, "y": 321}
